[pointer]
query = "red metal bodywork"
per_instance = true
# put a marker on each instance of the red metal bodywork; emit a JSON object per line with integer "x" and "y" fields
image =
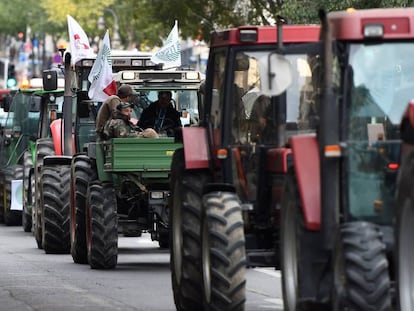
{"x": 277, "y": 161}
{"x": 267, "y": 34}
{"x": 195, "y": 147}
{"x": 398, "y": 23}
{"x": 56, "y": 130}
{"x": 306, "y": 161}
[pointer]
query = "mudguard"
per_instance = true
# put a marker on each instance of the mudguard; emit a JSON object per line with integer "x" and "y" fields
{"x": 57, "y": 134}
{"x": 306, "y": 162}
{"x": 277, "y": 160}
{"x": 195, "y": 147}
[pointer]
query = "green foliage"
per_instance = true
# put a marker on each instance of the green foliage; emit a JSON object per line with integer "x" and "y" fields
{"x": 146, "y": 23}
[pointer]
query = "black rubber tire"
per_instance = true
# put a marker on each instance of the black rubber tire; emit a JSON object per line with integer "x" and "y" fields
{"x": 306, "y": 283}
{"x": 2, "y": 196}
{"x": 361, "y": 277}
{"x": 223, "y": 253}
{"x": 291, "y": 230}
{"x": 185, "y": 240}
{"x": 55, "y": 197}
{"x": 44, "y": 147}
{"x": 404, "y": 232}
{"x": 27, "y": 208}
{"x": 81, "y": 174}
{"x": 11, "y": 217}
{"x": 101, "y": 226}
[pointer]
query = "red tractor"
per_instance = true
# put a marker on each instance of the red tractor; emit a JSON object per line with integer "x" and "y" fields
{"x": 404, "y": 254}
{"x": 227, "y": 179}
{"x": 338, "y": 207}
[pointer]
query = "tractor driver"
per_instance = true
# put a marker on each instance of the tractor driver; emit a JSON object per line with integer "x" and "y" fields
{"x": 161, "y": 115}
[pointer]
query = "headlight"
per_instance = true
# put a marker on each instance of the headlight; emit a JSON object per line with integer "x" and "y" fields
{"x": 157, "y": 195}
{"x": 128, "y": 75}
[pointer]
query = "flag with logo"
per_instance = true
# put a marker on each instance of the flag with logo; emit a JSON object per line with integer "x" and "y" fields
{"x": 102, "y": 82}
{"x": 170, "y": 53}
{"x": 79, "y": 42}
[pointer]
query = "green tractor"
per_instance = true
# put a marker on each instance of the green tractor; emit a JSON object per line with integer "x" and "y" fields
{"x": 127, "y": 191}
{"x": 121, "y": 185}
{"x": 28, "y": 115}
{"x": 59, "y": 157}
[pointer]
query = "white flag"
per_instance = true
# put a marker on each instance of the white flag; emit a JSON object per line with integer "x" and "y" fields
{"x": 79, "y": 42}
{"x": 170, "y": 53}
{"x": 102, "y": 82}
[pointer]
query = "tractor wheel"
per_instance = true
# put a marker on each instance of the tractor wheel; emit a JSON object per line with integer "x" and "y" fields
{"x": 101, "y": 226}
{"x": 291, "y": 231}
{"x": 185, "y": 241}
{"x": 81, "y": 174}
{"x": 56, "y": 212}
{"x": 44, "y": 147}
{"x": 11, "y": 217}
{"x": 404, "y": 232}
{"x": 361, "y": 276}
{"x": 2, "y": 196}
{"x": 223, "y": 252}
{"x": 306, "y": 281}
{"x": 27, "y": 208}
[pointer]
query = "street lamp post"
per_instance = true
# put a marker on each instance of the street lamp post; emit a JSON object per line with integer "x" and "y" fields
{"x": 116, "y": 38}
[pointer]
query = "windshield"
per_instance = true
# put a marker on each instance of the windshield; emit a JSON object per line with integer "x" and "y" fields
{"x": 185, "y": 101}
{"x": 382, "y": 80}
{"x": 255, "y": 115}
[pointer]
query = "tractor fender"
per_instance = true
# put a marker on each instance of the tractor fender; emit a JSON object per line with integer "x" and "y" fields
{"x": 278, "y": 160}
{"x": 57, "y": 134}
{"x": 306, "y": 162}
{"x": 195, "y": 147}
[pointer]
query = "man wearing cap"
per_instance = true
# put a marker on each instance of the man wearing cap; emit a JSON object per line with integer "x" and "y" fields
{"x": 120, "y": 125}
{"x": 109, "y": 105}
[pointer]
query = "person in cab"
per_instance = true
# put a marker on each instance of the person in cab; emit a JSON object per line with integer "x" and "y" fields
{"x": 161, "y": 115}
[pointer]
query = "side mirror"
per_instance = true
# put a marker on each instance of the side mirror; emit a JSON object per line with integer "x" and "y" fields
{"x": 50, "y": 80}
{"x": 276, "y": 74}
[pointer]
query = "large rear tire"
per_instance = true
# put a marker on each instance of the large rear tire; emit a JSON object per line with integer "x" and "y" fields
{"x": 306, "y": 277}
{"x": 11, "y": 217}
{"x": 81, "y": 174}
{"x": 361, "y": 276}
{"x": 27, "y": 208}
{"x": 56, "y": 213}
{"x": 290, "y": 231}
{"x": 223, "y": 253}
{"x": 2, "y": 189}
{"x": 404, "y": 233}
{"x": 102, "y": 226}
{"x": 44, "y": 147}
{"x": 185, "y": 225}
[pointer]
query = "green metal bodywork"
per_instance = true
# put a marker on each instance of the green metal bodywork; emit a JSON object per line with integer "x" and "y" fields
{"x": 149, "y": 157}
